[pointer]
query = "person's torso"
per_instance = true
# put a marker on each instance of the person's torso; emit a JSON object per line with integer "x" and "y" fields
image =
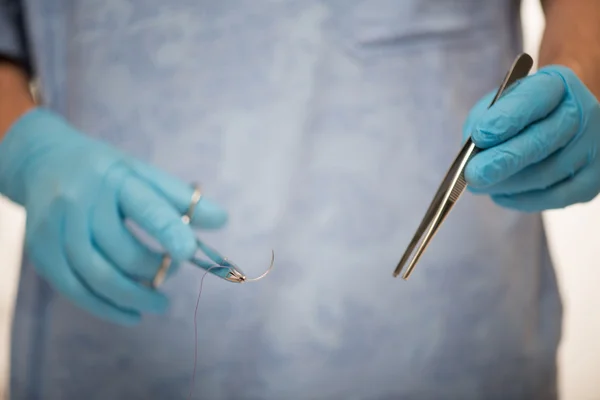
{"x": 324, "y": 127}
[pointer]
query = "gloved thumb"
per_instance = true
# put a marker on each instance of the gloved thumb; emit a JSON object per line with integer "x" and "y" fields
{"x": 207, "y": 214}
{"x": 476, "y": 113}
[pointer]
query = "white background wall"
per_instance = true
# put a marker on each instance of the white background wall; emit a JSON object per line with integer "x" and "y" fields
{"x": 573, "y": 234}
{"x": 12, "y": 227}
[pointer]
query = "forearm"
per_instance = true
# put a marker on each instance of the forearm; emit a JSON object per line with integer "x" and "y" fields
{"x": 572, "y": 38}
{"x": 15, "y": 96}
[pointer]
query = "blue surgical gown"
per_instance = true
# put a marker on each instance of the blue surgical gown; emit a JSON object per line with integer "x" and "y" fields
{"x": 324, "y": 127}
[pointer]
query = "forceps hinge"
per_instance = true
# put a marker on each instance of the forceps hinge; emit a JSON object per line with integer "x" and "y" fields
{"x": 454, "y": 184}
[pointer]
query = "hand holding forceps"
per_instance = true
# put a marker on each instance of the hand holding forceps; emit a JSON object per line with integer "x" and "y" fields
{"x": 454, "y": 183}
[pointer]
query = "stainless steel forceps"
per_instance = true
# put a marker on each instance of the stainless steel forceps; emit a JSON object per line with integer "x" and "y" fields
{"x": 454, "y": 182}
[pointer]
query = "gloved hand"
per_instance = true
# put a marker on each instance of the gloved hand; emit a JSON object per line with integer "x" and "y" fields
{"x": 78, "y": 192}
{"x": 540, "y": 142}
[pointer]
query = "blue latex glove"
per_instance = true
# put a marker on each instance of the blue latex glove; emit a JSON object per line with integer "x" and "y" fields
{"x": 78, "y": 192}
{"x": 540, "y": 143}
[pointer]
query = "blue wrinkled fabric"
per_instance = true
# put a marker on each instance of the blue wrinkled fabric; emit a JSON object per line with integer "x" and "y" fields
{"x": 323, "y": 128}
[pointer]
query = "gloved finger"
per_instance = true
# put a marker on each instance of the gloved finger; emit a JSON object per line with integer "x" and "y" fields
{"x": 157, "y": 217}
{"x": 537, "y": 142}
{"x": 554, "y": 169}
{"x": 581, "y": 188}
{"x": 475, "y": 114}
{"x": 533, "y": 99}
{"x": 70, "y": 286}
{"x": 207, "y": 214}
{"x": 51, "y": 262}
{"x": 118, "y": 244}
{"x": 101, "y": 276}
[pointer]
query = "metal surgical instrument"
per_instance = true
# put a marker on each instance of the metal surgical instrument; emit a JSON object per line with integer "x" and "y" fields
{"x": 219, "y": 266}
{"x": 166, "y": 262}
{"x": 454, "y": 182}
{"x": 225, "y": 268}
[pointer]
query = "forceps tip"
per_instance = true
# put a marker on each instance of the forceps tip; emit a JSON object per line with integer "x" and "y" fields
{"x": 405, "y": 276}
